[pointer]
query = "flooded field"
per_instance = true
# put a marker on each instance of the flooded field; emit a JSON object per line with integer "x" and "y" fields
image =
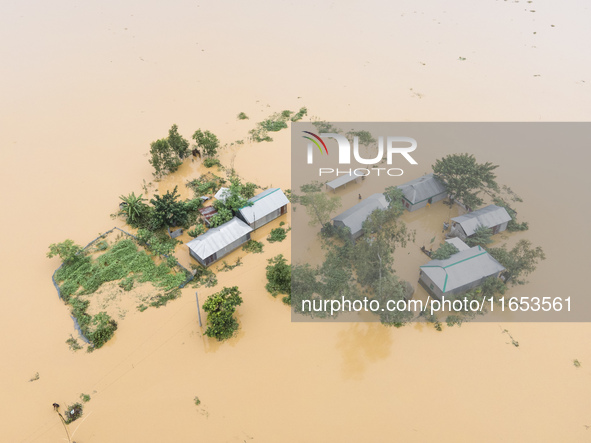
{"x": 86, "y": 88}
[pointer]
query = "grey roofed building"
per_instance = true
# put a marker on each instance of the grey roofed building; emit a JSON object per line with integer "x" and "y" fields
{"x": 354, "y": 217}
{"x": 426, "y": 189}
{"x": 341, "y": 181}
{"x": 266, "y": 206}
{"x": 220, "y": 241}
{"x": 459, "y": 273}
{"x": 491, "y": 216}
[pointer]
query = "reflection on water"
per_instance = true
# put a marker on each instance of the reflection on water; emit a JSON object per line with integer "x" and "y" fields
{"x": 362, "y": 344}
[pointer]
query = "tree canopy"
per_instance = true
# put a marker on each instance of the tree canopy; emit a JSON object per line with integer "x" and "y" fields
{"x": 519, "y": 262}
{"x": 66, "y": 250}
{"x": 166, "y": 153}
{"x": 169, "y": 210}
{"x": 220, "y": 308}
{"x": 207, "y": 142}
{"x": 482, "y": 236}
{"x": 319, "y": 205}
{"x": 445, "y": 251}
{"x": 465, "y": 178}
{"x": 279, "y": 277}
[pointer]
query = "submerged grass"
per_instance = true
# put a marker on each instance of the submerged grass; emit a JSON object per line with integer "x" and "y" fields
{"x": 124, "y": 261}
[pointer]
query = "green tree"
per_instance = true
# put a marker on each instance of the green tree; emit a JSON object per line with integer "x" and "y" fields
{"x": 513, "y": 224}
{"x": 207, "y": 142}
{"x": 66, "y": 250}
{"x": 166, "y": 153}
{"x": 319, "y": 205}
{"x": 304, "y": 285}
{"x": 220, "y": 308}
{"x": 482, "y": 236}
{"x": 223, "y": 215}
{"x": 178, "y": 144}
{"x": 445, "y": 251}
{"x": 519, "y": 262}
{"x": 465, "y": 178}
{"x": 336, "y": 274}
{"x": 278, "y": 276}
{"x": 169, "y": 210}
{"x": 234, "y": 198}
{"x": 394, "y": 198}
{"x": 393, "y": 290}
{"x": 134, "y": 208}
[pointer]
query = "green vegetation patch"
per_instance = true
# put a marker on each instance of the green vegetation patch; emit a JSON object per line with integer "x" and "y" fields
{"x": 73, "y": 412}
{"x": 81, "y": 275}
{"x": 220, "y": 308}
{"x": 211, "y": 162}
{"x": 279, "y": 278}
{"x": 203, "y": 277}
{"x": 444, "y": 252}
{"x": 253, "y": 246}
{"x": 277, "y": 235}
{"x": 275, "y": 123}
{"x": 207, "y": 184}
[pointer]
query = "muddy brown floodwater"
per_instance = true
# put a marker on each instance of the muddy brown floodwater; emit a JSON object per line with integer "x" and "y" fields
{"x": 85, "y": 89}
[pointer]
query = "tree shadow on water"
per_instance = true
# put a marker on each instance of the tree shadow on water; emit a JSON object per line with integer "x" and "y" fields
{"x": 362, "y": 344}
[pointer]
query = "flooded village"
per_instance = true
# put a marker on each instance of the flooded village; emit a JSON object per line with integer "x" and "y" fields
{"x": 89, "y": 88}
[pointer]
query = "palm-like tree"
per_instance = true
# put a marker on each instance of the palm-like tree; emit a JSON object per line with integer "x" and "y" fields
{"x": 133, "y": 207}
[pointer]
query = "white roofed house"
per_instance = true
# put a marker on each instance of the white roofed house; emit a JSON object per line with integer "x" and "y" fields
{"x": 219, "y": 242}
{"x": 266, "y": 206}
{"x": 342, "y": 180}
{"x": 459, "y": 273}
{"x": 426, "y": 189}
{"x": 491, "y": 216}
{"x": 354, "y": 217}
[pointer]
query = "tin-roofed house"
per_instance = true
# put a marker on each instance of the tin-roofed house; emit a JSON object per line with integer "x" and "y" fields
{"x": 426, "y": 189}
{"x": 354, "y": 217}
{"x": 266, "y": 206}
{"x": 343, "y": 180}
{"x": 491, "y": 216}
{"x": 219, "y": 242}
{"x": 461, "y": 272}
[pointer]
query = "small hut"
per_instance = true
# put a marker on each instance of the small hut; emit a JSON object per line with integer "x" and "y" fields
{"x": 491, "y": 216}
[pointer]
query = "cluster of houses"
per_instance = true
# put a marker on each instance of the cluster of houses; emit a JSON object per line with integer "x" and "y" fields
{"x": 220, "y": 241}
{"x": 461, "y": 272}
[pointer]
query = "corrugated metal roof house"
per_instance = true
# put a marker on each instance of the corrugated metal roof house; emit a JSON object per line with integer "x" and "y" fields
{"x": 426, "y": 189}
{"x": 491, "y": 216}
{"x": 266, "y": 206}
{"x": 341, "y": 181}
{"x": 354, "y": 217}
{"x": 220, "y": 241}
{"x": 459, "y": 273}
{"x": 207, "y": 212}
